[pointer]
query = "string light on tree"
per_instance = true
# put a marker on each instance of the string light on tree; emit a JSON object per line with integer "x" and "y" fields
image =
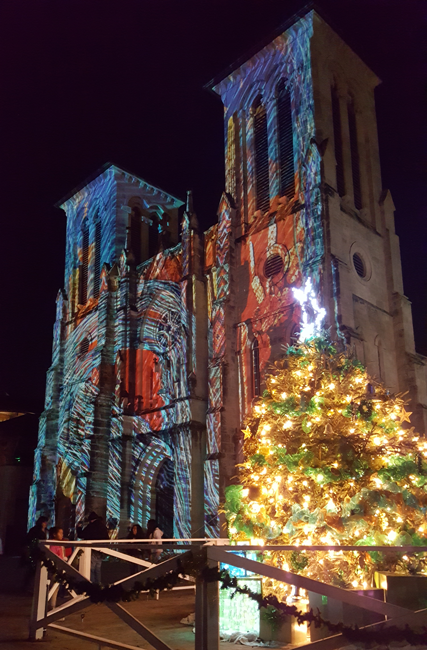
{"x": 327, "y": 460}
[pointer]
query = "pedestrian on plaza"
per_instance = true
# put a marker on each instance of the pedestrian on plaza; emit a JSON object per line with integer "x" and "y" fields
{"x": 39, "y": 531}
{"x": 95, "y": 530}
{"x": 31, "y": 541}
{"x": 136, "y": 532}
{"x": 56, "y": 533}
{"x": 154, "y": 533}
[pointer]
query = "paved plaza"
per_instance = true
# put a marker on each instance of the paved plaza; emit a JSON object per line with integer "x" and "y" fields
{"x": 161, "y": 616}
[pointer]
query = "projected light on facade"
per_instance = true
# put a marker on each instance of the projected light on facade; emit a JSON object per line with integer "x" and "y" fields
{"x": 161, "y": 342}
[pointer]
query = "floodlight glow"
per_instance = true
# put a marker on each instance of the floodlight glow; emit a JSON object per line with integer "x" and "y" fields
{"x": 237, "y": 612}
{"x": 312, "y": 314}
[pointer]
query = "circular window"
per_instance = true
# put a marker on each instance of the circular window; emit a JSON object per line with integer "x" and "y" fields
{"x": 359, "y": 265}
{"x": 273, "y": 266}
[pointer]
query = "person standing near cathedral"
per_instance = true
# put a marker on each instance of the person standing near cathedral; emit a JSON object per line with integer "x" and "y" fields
{"x": 154, "y": 533}
{"x": 95, "y": 530}
{"x": 38, "y": 531}
{"x": 136, "y": 532}
{"x": 56, "y": 533}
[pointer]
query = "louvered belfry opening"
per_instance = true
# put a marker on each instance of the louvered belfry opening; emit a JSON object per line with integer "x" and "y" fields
{"x": 336, "y": 119}
{"x": 153, "y": 236}
{"x": 84, "y": 346}
{"x": 354, "y": 149}
{"x": 97, "y": 259}
{"x": 359, "y": 265}
{"x": 255, "y": 369}
{"x": 84, "y": 266}
{"x": 273, "y": 266}
{"x": 286, "y": 141}
{"x": 135, "y": 234}
{"x": 262, "y": 180}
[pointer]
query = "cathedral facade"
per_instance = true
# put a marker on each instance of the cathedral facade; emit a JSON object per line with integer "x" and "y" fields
{"x": 163, "y": 333}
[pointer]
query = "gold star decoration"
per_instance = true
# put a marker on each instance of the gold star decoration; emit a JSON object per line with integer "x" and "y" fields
{"x": 405, "y": 415}
{"x": 247, "y": 432}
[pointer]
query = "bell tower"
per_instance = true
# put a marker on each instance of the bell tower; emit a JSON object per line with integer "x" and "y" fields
{"x": 303, "y": 174}
{"x": 364, "y": 292}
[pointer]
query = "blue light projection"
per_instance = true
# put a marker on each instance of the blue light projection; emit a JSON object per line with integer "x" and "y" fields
{"x": 276, "y": 248}
{"x": 117, "y": 382}
{"x": 127, "y": 346}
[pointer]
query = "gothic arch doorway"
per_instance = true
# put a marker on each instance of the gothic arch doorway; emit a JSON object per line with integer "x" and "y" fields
{"x": 165, "y": 488}
{"x": 154, "y": 487}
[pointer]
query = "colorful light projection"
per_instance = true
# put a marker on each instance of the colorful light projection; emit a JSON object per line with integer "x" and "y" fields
{"x": 151, "y": 369}
{"x": 118, "y": 382}
{"x": 125, "y": 334}
{"x": 73, "y": 379}
{"x": 218, "y": 291}
{"x": 274, "y": 248}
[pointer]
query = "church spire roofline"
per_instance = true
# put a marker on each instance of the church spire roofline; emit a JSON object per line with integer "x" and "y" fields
{"x": 246, "y": 56}
{"x": 173, "y": 200}
{"x": 280, "y": 29}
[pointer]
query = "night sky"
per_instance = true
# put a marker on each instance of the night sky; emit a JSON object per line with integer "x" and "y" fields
{"x": 83, "y": 83}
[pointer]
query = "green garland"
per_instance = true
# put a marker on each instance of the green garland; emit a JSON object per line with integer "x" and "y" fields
{"x": 196, "y": 566}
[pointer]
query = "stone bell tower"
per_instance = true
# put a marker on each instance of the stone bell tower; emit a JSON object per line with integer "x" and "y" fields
{"x": 305, "y": 199}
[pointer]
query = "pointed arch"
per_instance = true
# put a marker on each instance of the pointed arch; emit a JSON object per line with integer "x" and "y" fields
{"x": 262, "y": 175}
{"x": 97, "y": 258}
{"x": 354, "y": 151}
{"x": 146, "y": 474}
{"x": 153, "y": 236}
{"x": 285, "y": 140}
{"x": 256, "y": 372}
{"x": 338, "y": 144}
{"x": 136, "y": 234}
{"x": 84, "y": 265}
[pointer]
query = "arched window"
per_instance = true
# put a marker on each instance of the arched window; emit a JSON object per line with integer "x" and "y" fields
{"x": 83, "y": 276}
{"x": 256, "y": 375}
{"x": 97, "y": 259}
{"x": 135, "y": 234}
{"x": 230, "y": 166}
{"x": 262, "y": 178}
{"x": 177, "y": 376}
{"x": 354, "y": 150}
{"x": 153, "y": 236}
{"x": 286, "y": 141}
{"x": 336, "y": 121}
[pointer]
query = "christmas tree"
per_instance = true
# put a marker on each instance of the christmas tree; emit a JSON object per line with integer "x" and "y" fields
{"x": 330, "y": 459}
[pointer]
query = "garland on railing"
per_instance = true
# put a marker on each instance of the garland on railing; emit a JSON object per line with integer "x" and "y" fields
{"x": 195, "y": 565}
{"x": 382, "y": 635}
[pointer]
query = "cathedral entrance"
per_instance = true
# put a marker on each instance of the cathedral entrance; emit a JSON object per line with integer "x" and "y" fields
{"x": 154, "y": 487}
{"x": 164, "y": 490}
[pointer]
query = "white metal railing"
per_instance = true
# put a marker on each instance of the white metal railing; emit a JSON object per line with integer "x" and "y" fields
{"x": 218, "y": 550}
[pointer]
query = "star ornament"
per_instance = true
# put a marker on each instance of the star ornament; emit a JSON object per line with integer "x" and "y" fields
{"x": 405, "y": 415}
{"x": 312, "y": 314}
{"x": 247, "y": 432}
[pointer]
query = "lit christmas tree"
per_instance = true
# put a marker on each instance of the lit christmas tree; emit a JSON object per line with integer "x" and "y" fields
{"x": 328, "y": 461}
